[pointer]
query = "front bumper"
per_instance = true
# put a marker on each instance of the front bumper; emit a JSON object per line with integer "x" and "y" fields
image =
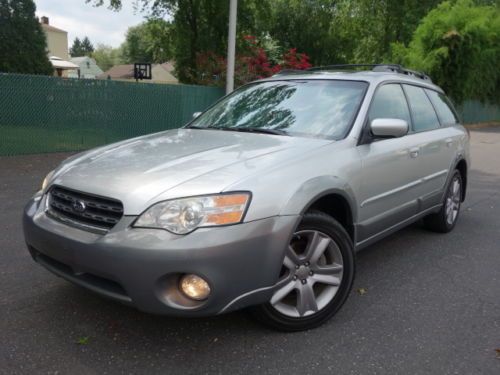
{"x": 141, "y": 267}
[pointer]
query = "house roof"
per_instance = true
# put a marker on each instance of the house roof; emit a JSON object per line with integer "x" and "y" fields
{"x": 79, "y": 59}
{"x": 119, "y": 72}
{"x": 168, "y": 66}
{"x": 88, "y": 66}
{"x": 126, "y": 71}
{"x": 52, "y": 28}
{"x": 59, "y": 63}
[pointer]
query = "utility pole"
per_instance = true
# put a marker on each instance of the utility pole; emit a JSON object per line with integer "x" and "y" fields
{"x": 231, "y": 45}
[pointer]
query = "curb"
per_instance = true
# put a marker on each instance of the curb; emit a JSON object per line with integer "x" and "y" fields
{"x": 482, "y": 125}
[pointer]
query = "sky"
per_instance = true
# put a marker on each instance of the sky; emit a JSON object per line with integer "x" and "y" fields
{"x": 79, "y": 19}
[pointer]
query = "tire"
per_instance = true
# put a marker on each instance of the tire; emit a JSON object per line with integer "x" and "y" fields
{"x": 445, "y": 220}
{"x": 319, "y": 259}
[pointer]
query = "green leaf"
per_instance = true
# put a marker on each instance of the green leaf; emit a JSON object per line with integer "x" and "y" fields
{"x": 83, "y": 340}
{"x": 362, "y": 291}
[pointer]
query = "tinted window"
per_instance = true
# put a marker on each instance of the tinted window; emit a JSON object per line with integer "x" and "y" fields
{"x": 443, "y": 107}
{"x": 315, "y": 108}
{"x": 423, "y": 114}
{"x": 389, "y": 102}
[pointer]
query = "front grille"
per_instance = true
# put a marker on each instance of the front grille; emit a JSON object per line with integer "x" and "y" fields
{"x": 84, "y": 210}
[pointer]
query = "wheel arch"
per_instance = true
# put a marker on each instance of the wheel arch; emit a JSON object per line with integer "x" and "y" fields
{"x": 461, "y": 166}
{"x": 329, "y": 195}
{"x": 337, "y": 206}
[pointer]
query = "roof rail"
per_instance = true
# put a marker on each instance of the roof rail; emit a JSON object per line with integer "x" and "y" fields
{"x": 291, "y": 71}
{"x": 395, "y": 68}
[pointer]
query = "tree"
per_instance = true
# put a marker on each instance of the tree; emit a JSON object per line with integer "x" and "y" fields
{"x": 344, "y": 31}
{"x": 458, "y": 44}
{"x": 308, "y": 26}
{"x": 23, "y": 47}
{"x": 151, "y": 42}
{"x": 107, "y": 56}
{"x": 367, "y": 28}
{"x": 87, "y": 46}
{"x": 133, "y": 49}
{"x": 252, "y": 63}
{"x": 329, "y": 31}
{"x": 76, "y": 49}
{"x": 197, "y": 26}
{"x": 81, "y": 48}
{"x": 159, "y": 45}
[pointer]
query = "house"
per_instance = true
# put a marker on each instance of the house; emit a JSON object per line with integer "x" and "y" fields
{"x": 87, "y": 68}
{"x": 57, "y": 39}
{"x": 62, "y": 67}
{"x": 160, "y": 73}
{"x": 57, "y": 44}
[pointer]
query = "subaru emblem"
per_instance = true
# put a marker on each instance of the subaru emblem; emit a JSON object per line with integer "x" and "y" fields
{"x": 78, "y": 206}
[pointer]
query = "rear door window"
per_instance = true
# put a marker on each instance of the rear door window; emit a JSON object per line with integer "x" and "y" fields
{"x": 443, "y": 108}
{"x": 423, "y": 113}
{"x": 389, "y": 102}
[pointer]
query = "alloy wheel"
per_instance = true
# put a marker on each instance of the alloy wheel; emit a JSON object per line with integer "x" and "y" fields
{"x": 311, "y": 274}
{"x": 453, "y": 201}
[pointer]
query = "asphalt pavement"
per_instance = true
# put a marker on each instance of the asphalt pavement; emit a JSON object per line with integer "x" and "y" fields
{"x": 422, "y": 303}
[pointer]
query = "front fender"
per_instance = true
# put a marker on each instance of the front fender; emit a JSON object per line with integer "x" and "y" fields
{"x": 316, "y": 188}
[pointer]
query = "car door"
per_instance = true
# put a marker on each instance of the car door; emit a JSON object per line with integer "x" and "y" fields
{"x": 389, "y": 172}
{"x": 454, "y": 133}
{"x": 433, "y": 147}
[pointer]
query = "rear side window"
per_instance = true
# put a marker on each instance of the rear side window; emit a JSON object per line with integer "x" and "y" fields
{"x": 389, "y": 102}
{"x": 443, "y": 108}
{"x": 423, "y": 114}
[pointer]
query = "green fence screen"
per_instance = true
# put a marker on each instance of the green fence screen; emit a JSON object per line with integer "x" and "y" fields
{"x": 473, "y": 111}
{"x": 48, "y": 114}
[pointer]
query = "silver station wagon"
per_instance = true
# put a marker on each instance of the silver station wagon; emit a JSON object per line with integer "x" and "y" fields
{"x": 261, "y": 201}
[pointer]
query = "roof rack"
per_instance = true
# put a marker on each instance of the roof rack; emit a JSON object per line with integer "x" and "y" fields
{"x": 291, "y": 71}
{"x": 395, "y": 68}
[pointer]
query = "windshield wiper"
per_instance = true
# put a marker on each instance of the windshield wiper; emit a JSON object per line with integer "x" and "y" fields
{"x": 207, "y": 127}
{"x": 258, "y": 130}
{"x": 196, "y": 127}
{"x": 243, "y": 130}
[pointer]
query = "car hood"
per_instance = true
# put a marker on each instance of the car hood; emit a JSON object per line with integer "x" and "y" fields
{"x": 140, "y": 171}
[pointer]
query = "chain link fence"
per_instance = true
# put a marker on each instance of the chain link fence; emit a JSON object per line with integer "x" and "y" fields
{"x": 48, "y": 114}
{"x": 473, "y": 112}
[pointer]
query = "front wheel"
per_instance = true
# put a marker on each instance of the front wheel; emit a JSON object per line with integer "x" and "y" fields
{"x": 315, "y": 278}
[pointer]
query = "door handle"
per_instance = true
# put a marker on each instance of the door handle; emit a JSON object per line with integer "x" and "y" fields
{"x": 449, "y": 142}
{"x": 414, "y": 152}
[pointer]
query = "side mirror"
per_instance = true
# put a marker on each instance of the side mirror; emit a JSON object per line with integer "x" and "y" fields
{"x": 196, "y": 114}
{"x": 389, "y": 127}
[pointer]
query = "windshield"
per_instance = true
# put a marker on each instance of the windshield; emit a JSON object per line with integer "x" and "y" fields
{"x": 311, "y": 108}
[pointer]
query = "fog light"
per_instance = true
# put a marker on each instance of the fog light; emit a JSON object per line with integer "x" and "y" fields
{"x": 194, "y": 287}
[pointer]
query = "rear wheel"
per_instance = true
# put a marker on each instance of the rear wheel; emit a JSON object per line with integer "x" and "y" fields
{"x": 316, "y": 276}
{"x": 444, "y": 220}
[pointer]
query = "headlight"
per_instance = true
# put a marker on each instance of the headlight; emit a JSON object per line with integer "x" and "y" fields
{"x": 46, "y": 180}
{"x": 181, "y": 216}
